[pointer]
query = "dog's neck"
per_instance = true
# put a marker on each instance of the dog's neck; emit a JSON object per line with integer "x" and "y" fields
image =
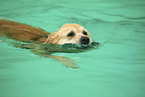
{"x": 41, "y": 39}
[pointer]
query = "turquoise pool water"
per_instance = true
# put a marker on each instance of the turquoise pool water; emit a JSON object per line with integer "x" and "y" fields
{"x": 116, "y": 69}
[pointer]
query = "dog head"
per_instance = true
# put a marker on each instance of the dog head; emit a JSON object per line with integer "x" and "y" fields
{"x": 70, "y": 33}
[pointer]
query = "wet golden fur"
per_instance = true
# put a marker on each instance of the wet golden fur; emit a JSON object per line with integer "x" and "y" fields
{"x": 26, "y": 33}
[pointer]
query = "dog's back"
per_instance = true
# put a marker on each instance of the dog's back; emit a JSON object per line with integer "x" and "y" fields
{"x": 20, "y": 32}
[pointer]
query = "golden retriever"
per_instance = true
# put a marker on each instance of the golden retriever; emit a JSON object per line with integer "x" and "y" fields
{"x": 68, "y": 33}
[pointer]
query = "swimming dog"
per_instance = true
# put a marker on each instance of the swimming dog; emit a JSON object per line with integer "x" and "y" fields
{"x": 68, "y": 33}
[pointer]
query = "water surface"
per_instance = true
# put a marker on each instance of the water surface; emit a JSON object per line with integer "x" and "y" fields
{"x": 116, "y": 69}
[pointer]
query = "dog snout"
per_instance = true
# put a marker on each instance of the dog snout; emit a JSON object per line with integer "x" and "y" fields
{"x": 84, "y": 40}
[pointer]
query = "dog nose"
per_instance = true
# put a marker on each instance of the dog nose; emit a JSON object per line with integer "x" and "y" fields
{"x": 84, "y": 40}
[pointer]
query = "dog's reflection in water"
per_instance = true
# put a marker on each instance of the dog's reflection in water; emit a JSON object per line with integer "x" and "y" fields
{"x": 47, "y": 50}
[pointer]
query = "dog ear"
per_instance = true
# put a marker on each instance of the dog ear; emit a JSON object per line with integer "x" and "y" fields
{"x": 52, "y": 38}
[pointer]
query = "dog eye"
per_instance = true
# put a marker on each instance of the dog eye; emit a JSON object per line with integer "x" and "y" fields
{"x": 71, "y": 34}
{"x": 85, "y": 33}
